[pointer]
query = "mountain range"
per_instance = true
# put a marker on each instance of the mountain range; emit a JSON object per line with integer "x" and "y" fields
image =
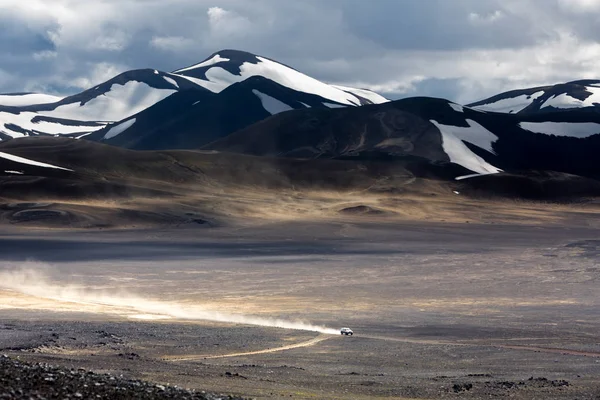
{"x": 116, "y": 103}
{"x": 257, "y": 118}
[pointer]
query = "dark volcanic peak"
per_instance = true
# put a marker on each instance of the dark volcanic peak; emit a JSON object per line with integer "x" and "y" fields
{"x": 563, "y": 96}
{"x": 191, "y": 119}
{"x": 436, "y": 129}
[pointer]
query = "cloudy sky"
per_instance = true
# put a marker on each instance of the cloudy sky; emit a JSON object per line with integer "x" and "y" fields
{"x": 463, "y": 50}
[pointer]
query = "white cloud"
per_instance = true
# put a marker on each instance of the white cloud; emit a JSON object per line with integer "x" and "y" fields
{"x": 5, "y": 78}
{"x": 485, "y": 19}
{"x": 580, "y": 6}
{"x": 44, "y": 55}
{"x": 115, "y": 41}
{"x": 99, "y": 73}
{"x": 227, "y": 24}
{"x": 174, "y": 44}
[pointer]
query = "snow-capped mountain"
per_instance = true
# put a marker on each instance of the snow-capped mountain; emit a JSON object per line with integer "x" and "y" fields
{"x": 227, "y": 67}
{"x": 88, "y": 111}
{"x": 134, "y": 91}
{"x": 564, "y": 96}
{"x": 240, "y": 102}
{"x": 436, "y": 129}
{"x": 191, "y": 119}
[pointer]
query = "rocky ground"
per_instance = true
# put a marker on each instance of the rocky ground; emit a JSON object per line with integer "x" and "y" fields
{"x": 20, "y": 380}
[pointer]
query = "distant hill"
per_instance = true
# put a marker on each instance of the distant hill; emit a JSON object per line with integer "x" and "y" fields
{"x": 564, "y": 96}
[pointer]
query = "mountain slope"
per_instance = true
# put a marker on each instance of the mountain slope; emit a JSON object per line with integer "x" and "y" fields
{"x": 58, "y": 182}
{"x": 564, "y": 96}
{"x": 188, "y": 120}
{"x": 439, "y": 130}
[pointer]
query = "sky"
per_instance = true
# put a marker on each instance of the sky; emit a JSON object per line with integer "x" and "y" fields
{"x": 463, "y": 50}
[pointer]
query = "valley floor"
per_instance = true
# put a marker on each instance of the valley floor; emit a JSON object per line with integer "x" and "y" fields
{"x": 439, "y": 310}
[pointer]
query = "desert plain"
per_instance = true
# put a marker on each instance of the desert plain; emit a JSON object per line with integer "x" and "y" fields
{"x": 439, "y": 309}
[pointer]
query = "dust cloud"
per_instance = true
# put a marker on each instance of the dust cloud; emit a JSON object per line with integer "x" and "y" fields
{"x": 36, "y": 283}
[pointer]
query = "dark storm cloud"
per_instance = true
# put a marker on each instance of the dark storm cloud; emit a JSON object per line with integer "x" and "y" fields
{"x": 436, "y": 24}
{"x": 460, "y": 49}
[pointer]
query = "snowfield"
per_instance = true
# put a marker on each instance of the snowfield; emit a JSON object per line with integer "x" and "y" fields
{"x": 215, "y": 60}
{"x": 218, "y": 79}
{"x": 120, "y": 128}
{"x": 271, "y": 104}
{"x": 460, "y": 154}
{"x": 171, "y": 81}
{"x": 461, "y": 178}
{"x": 510, "y": 105}
{"x": 118, "y": 103}
{"x": 29, "y": 99}
{"x": 456, "y": 107}
{"x": 474, "y": 134}
{"x": 27, "y": 161}
{"x": 24, "y": 121}
{"x": 565, "y": 101}
{"x": 571, "y": 129}
{"x": 364, "y": 93}
{"x": 331, "y": 105}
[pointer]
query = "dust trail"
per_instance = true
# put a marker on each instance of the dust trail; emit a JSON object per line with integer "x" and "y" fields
{"x": 34, "y": 283}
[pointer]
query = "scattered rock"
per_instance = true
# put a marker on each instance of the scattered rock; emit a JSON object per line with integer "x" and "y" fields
{"x": 234, "y": 375}
{"x": 20, "y": 381}
{"x": 462, "y": 387}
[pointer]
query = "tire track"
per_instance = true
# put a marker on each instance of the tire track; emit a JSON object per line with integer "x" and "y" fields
{"x": 307, "y": 343}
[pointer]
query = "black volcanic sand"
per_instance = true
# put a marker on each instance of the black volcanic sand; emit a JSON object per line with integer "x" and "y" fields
{"x": 438, "y": 310}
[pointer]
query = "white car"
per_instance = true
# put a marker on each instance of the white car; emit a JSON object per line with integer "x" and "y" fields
{"x": 346, "y": 331}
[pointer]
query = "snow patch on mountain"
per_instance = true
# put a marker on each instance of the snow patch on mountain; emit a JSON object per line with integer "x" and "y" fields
{"x": 218, "y": 79}
{"x": 461, "y": 178}
{"x": 474, "y": 134}
{"x": 571, "y": 129}
{"x": 28, "y": 99}
{"x": 511, "y": 105}
{"x": 27, "y": 161}
{"x": 331, "y": 105}
{"x": 460, "y": 154}
{"x": 456, "y": 107}
{"x": 364, "y": 93}
{"x": 24, "y": 121}
{"x": 119, "y": 128}
{"x": 563, "y": 100}
{"x": 212, "y": 61}
{"x": 116, "y": 104}
{"x": 271, "y": 104}
{"x": 171, "y": 81}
